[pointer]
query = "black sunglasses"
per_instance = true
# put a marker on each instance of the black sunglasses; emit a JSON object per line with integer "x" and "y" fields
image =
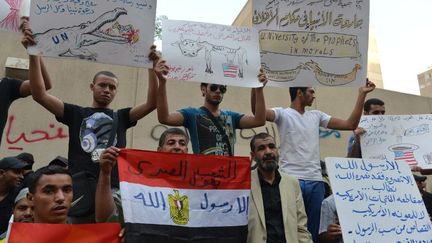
{"x": 214, "y": 87}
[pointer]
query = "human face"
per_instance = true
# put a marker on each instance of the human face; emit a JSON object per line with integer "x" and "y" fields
{"x": 266, "y": 154}
{"x": 52, "y": 198}
{"x": 23, "y": 211}
{"x": 308, "y": 96}
{"x": 104, "y": 90}
{"x": 174, "y": 143}
{"x": 214, "y": 93}
{"x": 421, "y": 185}
{"x": 12, "y": 177}
{"x": 376, "y": 110}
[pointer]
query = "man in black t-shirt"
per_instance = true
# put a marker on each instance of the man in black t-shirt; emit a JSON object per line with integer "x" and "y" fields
{"x": 90, "y": 127}
{"x": 12, "y": 89}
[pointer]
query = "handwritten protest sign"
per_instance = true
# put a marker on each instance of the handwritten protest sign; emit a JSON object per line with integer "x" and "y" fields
{"x": 64, "y": 233}
{"x": 112, "y": 31}
{"x": 402, "y": 138}
{"x": 211, "y": 53}
{"x": 313, "y": 43}
{"x": 10, "y": 13}
{"x": 174, "y": 196}
{"x": 378, "y": 201}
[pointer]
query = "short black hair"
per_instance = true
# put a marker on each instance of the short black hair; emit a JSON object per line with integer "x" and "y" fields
{"x": 172, "y": 130}
{"x": 106, "y": 73}
{"x": 374, "y": 101}
{"x": 46, "y": 170}
{"x": 204, "y": 84}
{"x": 293, "y": 91}
{"x": 261, "y": 135}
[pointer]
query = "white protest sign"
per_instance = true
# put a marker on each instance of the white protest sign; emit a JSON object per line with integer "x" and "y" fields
{"x": 378, "y": 201}
{"x": 313, "y": 43}
{"x": 211, "y": 53}
{"x": 403, "y": 138}
{"x": 10, "y": 13}
{"x": 112, "y": 31}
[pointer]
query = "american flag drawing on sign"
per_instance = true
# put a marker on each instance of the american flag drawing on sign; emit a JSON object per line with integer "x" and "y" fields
{"x": 229, "y": 70}
{"x": 407, "y": 156}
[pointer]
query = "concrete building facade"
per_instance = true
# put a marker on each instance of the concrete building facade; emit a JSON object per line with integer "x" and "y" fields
{"x": 425, "y": 82}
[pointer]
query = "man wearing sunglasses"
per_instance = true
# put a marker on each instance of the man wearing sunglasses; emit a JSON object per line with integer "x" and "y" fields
{"x": 211, "y": 129}
{"x": 371, "y": 107}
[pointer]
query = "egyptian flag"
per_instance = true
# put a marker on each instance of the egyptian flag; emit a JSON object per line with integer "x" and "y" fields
{"x": 64, "y": 233}
{"x": 184, "y": 198}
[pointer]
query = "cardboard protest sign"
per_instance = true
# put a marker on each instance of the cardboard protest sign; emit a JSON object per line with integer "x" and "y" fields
{"x": 313, "y": 43}
{"x": 211, "y": 53}
{"x": 378, "y": 201}
{"x": 168, "y": 196}
{"x": 64, "y": 233}
{"x": 114, "y": 32}
{"x": 403, "y": 138}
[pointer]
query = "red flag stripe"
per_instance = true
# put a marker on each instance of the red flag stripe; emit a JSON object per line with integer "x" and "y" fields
{"x": 186, "y": 171}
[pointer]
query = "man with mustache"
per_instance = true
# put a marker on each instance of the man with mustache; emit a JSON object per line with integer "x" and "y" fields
{"x": 11, "y": 176}
{"x": 275, "y": 215}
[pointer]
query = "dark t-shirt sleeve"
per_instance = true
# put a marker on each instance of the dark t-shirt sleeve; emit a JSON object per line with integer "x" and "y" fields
{"x": 124, "y": 117}
{"x": 187, "y": 114}
{"x": 14, "y": 86}
{"x": 236, "y": 118}
{"x": 69, "y": 114}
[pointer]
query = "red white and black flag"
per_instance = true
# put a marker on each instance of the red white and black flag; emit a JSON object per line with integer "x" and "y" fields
{"x": 184, "y": 198}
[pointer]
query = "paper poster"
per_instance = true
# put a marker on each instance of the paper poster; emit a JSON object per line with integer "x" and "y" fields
{"x": 10, "y": 13}
{"x": 211, "y": 53}
{"x": 313, "y": 42}
{"x": 111, "y": 31}
{"x": 378, "y": 201}
{"x": 403, "y": 138}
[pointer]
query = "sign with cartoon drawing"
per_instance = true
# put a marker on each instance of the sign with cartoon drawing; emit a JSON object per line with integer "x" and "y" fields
{"x": 114, "y": 32}
{"x": 211, "y": 53}
{"x": 10, "y": 13}
{"x": 312, "y": 42}
{"x": 401, "y": 138}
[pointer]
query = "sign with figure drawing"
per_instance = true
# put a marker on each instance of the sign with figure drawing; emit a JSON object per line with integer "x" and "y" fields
{"x": 115, "y": 32}
{"x": 10, "y": 13}
{"x": 211, "y": 53}
{"x": 313, "y": 42}
{"x": 402, "y": 138}
{"x": 376, "y": 201}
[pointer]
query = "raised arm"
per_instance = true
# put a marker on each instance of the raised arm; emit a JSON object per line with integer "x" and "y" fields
{"x": 164, "y": 116}
{"x": 269, "y": 113}
{"x": 353, "y": 120}
{"x": 25, "y": 89}
{"x": 104, "y": 201}
{"x": 143, "y": 109}
{"x": 257, "y": 104}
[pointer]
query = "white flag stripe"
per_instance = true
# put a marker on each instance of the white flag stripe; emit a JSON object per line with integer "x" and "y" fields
{"x": 206, "y": 208}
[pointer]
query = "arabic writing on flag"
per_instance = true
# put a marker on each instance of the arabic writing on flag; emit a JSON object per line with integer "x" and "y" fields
{"x": 169, "y": 196}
